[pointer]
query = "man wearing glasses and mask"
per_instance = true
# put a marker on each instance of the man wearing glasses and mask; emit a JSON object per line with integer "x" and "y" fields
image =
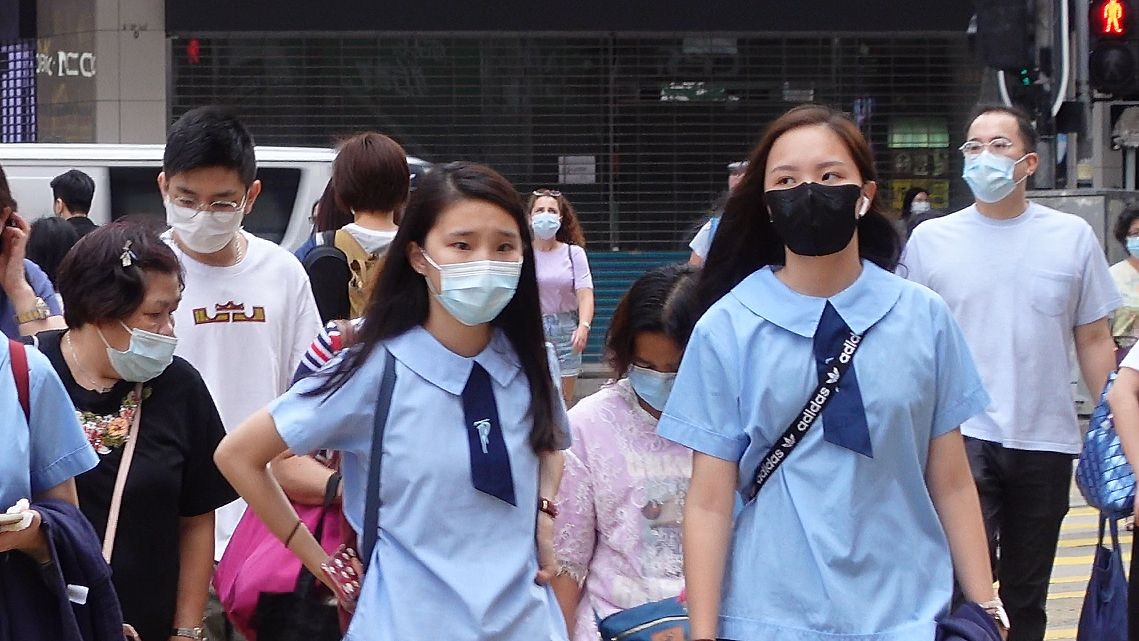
{"x": 1027, "y": 284}
{"x": 247, "y": 313}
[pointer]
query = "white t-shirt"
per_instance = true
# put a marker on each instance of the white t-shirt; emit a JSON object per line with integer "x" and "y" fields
{"x": 245, "y": 328}
{"x": 702, "y": 241}
{"x": 1018, "y": 288}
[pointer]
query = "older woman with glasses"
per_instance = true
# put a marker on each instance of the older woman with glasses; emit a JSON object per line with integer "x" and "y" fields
{"x": 565, "y": 286}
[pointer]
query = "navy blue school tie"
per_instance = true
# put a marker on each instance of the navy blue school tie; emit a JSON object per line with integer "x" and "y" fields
{"x": 844, "y": 417}
{"x": 490, "y": 462}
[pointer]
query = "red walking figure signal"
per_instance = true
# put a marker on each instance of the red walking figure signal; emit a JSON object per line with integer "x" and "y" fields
{"x": 1111, "y": 18}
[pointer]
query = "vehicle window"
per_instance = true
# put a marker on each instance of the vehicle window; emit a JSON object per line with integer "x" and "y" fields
{"x": 134, "y": 191}
{"x": 274, "y": 208}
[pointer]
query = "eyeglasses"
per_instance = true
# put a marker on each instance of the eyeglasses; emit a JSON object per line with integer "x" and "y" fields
{"x": 975, "y": 147}
{"x": 737, "y": 167}
{"x": 547, "y": 192}
{"x": 216, "y": 207}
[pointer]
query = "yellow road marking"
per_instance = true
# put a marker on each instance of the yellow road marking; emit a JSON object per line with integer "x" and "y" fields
{"x": 1087, "y": 560}
{"x": 1062, "y": 633}
{"x": 1065, "y": 595}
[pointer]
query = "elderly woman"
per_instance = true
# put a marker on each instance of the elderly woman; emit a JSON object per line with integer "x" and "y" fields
{"x": 121, "y": 285}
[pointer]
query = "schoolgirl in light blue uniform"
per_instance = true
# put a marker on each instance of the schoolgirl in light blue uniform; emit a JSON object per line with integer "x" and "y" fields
{"x": 857, "y": 535}
{"x": 457, "y": 301}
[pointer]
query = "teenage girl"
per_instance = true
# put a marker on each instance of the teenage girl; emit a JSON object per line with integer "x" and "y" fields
{"x": 474, "y": 408}
{"x": 860, "y": 530}
{"x": 620, "y": 502}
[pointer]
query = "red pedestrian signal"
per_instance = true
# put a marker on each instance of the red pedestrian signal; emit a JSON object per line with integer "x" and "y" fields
{"x": 1110, "y": 18}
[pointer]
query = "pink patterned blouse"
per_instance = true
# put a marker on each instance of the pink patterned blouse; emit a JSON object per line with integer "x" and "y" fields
{"x": 620, "y": 501}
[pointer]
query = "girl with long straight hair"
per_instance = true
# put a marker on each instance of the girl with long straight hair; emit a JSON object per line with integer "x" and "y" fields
{"x": 857, "y": 532}
{"x": 474, "y": 416}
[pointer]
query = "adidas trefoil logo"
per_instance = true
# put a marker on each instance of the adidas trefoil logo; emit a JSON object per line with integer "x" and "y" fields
{"x": 832, "y": 376}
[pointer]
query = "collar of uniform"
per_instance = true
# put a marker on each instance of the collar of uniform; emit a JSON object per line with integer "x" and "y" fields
{"x": 420, "y": 352}
{"x": 867, "y": 300}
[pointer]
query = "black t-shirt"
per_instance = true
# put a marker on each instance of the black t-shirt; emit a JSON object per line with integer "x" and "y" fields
{"x": 172, "y": 476}
{"x": 82, "y": 224}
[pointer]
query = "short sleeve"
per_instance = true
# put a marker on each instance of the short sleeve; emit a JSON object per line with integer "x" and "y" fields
{"x": 961, "y": 394}
{"x": 1099, "y": 296}
{"x": 702, "y": 241}
{"x": 338, "y": 420}
{"x": 306, "y": 325}
{"x": 58, "y": 445}
{"x": 326, "y": 344}
{"x": 576, "y": 534}
{"x": 702, "y": 412}
{"x": 40, "y": 283}
{"x": 910, "y": 266}
{"x": 204, "y": 489}
{"x": 582, "y": 278}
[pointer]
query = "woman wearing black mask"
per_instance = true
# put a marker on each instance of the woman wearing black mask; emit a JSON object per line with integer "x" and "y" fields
{"x": 827, "y": 391}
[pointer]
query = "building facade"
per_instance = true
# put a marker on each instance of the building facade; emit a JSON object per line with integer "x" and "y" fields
{"x": 633, "y": 109}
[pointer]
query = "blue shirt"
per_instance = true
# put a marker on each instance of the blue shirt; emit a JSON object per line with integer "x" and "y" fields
{"x": 451, "y": 562}
{"x": 836, "y": 545}
{"x": 53, "y": 448}
{"x": 41, "y": 285}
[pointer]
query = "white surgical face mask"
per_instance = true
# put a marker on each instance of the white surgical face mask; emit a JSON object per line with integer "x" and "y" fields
{"x": 475, "y": 292}
{"x": 546, "y": 225}
{"x": 990, "y": 176}
{"x": 203, "y": 231}
{"x": 919, "y": 207}
{"x": 652, "y": 386}
{"x": 148, "y": 355}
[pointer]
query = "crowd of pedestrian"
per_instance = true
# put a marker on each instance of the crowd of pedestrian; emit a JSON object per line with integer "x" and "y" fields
{"x": 830, "y": 424}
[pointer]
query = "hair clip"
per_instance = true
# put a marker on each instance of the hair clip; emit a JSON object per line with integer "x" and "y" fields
{"x": 128, "y": 255}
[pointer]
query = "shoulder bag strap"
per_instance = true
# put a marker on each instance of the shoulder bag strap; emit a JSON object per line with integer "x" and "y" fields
{"x": 18, "y": 358}
{"x": 795, "y": 432}
{"x": 121, "y": 479}
{"x": 372, "y": 498}
{"x": 573, "y": 268}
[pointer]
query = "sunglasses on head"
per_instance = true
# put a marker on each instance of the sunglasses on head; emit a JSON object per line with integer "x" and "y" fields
{"x": 547, "y": 192}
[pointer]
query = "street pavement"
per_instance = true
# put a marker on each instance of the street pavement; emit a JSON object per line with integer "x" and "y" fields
{"x": 1078, "y": 536}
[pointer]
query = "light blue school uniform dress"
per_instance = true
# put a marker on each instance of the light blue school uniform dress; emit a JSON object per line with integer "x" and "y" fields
{"x": 837, "y": 545}
{"x": 53, "y": 448}
{"x": 451, "y": 562}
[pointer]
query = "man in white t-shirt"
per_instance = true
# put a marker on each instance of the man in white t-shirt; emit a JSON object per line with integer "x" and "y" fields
{"x": 247, "y": 313}
{"x": 702, "y": 241}
{"x": 1026, "y": 283}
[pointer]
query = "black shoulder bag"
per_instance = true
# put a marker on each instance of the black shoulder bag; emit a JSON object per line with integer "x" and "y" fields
{"x": 795, "y": 432}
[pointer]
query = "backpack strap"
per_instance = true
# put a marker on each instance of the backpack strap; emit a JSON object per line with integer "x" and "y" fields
{"x": 19, "y": 361}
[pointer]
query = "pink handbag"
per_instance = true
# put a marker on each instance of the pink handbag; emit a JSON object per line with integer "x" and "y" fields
{"x": 255, "y": 561}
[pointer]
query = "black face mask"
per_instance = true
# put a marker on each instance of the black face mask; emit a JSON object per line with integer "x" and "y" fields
{"x": 814, "y": 219}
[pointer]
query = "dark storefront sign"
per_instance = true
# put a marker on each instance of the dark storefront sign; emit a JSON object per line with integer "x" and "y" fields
{"x": 603, "y": 16}
{"x": 636, "y": 129}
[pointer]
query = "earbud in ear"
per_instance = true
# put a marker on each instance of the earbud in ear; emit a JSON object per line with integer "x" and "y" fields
{"x": 865, "y": 207}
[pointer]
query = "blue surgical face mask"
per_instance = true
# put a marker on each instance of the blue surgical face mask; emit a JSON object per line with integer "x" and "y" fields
{"x": 148, "y": 356}
{"x": 1133, "y": 245}
{"x": 475, "y": 292}
{"x": 990, "y": 176}
{"x": 652, "y": 386}
{"x": 546, "y": 225}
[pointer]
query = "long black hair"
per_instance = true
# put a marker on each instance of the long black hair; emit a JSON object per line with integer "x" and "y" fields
{"x": 399, "y": 300}
{"x": 908, "y": 200}
{"x": 746, "y": 240}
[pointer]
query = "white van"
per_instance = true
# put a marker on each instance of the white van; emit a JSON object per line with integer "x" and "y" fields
{"x": 292, "y": 179}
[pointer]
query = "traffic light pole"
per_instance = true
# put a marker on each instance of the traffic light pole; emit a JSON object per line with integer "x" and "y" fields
{"x": 1085, "y": 151}
{"x": 1045, "y": 176}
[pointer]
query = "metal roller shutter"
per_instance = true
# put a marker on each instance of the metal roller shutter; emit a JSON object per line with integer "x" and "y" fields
{"x": 635, "y": 129}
